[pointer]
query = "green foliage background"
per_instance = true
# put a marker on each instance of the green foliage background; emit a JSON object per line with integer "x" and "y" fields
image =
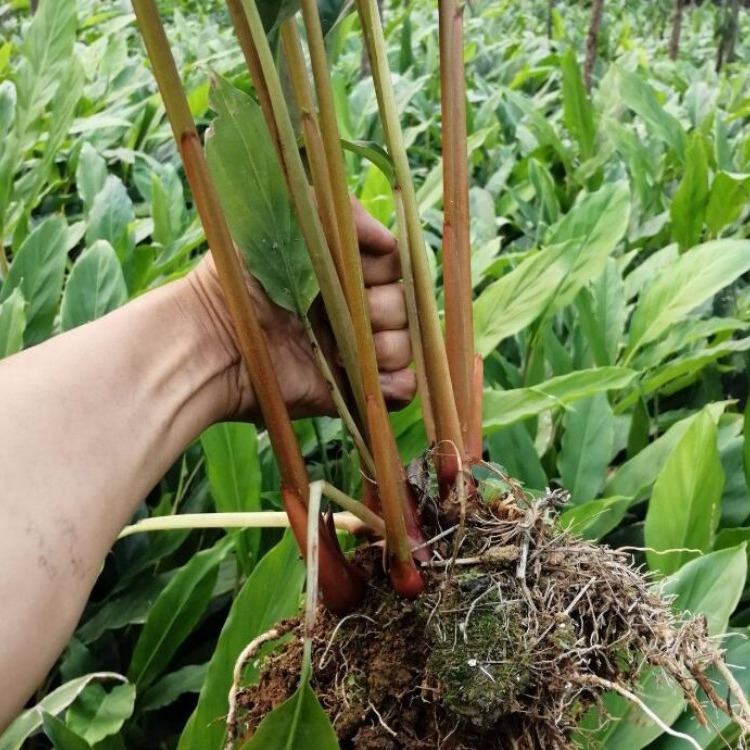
{"x": 610, "y": 261}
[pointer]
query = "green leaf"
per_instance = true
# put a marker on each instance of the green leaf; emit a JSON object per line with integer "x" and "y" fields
{"x": 506, "y": 407}
{"x": 62, "y": 736}
{"x": 710, "y": 585}
{"x": 37, "y": 270}
{"x": 688, "y": 209}
{"x": 603, "y": 313}
{"x": 513, "y": 448}
{"x": 53, "y": 703}
{"x": 636, "y": 475}
{"x": 111, "y": 214}
{"x": 549, "y": 280}
{"x": 174, "y": 614}
{"x": 297, "y": 724}
{"x": 587, "y": 445}
{"x": 274, "y": 12}
{"x": 12, "y": 323}
{"x": 683, "y": 512}
{"x": 596, "y": 518}
{"x": 8, "y": 99}
{"x": 95, "y": 286}
{"x": 684, "y": 285}
{"x": 746, "y": 445}
{"x": 255, "y": 199}
{"x": 578, "y": 114}
{"x": 640, "y": 97}
{"x": 97, "y": 714}
{"x": 261, "y": 602}
{"x": 169, "y": 688}
{"x": 90, "y": 175}
{"x": 729, "y": 196}
{"x": 375, "y": 154}
{"x": 234, "y": 475}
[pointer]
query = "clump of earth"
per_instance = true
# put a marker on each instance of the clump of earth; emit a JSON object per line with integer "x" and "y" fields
{"x": 523, "y": 627}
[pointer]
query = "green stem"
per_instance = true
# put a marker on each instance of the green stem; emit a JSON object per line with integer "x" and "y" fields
{"x": 384, "y": 449}
{"x": 340, "y": 587}
{"x": 447, "y": 424}
{"x": 312, "y": 230}
{"x": 459, "y": 323}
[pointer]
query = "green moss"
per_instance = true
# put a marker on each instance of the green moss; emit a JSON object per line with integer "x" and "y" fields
{"x": 478, "y": 657}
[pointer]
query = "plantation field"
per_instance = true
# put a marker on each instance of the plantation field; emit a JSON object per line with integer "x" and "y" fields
{"x": 610, "y": 261}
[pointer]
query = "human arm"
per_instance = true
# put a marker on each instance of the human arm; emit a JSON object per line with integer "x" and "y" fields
{"x": 92, "y": 420}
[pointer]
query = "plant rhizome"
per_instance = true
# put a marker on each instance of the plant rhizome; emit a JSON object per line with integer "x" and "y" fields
{"x": 475, "y": 621}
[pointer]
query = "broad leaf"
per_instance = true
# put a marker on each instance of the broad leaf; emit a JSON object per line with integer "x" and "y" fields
{"x": 679, "y": 288}
{"x": 37, "y": 270}
{"x": 689, "y": 204}
{"x": 174, "y": 614}
{"x": 506, "y": 407}
{"x": 297, "y": 724}
{"x": 111, "y": 215}
{"x": 169, "y": 688}
{"x": 596, "y": 518}
{"x": 587, "y": 446}
{"x": 97, "y": 714}
{"x": 54, "y": 703}
{"x": 710, "y": 585}
{"x": 729, "y": 196}
{"x": 261, "y": 603}
{"x": 637, "y": 475}
{"x": 513, "y": 448}
{"x": 90, "y": 175}
{"x": 684, "y": 509}
{"x": 234, "y": 475}
{"x": 255, "y": 199}
{"x": 62, "y": 736}
{"x": 95, "y": 286}
{"x": 12, "y": 323}
{"x": 578, "y": 114}
{"x": 549, "y": 280}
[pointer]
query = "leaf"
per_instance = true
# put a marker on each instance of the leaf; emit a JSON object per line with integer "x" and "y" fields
{"x": 683, "y": 285}
{"x": 169, "y": 688}
{"x": 683, "y": 512}
{"x": 746, "y": 445}
{"x": 331, "y": 12}
{"x": 375, "y": 154}
{"x": 254, "y": 196}
{"x": 37, "y": 270}
{"x": 506, "y": 407}
{"x": 97, "y": 714}
{"x": 53, "y": 703}
{"x": 550, "y": 279}
{"x": 297, "y": 724}
{"x": 174, "y": 614}
{"x": 688, "y": 209}
{"x": 274, "y": 12}
{"x": 96, "y": 286}
{"x": 710, "y": 585}
{"x": 234, "y": 474}
{"x": 596, "y": 518}
{"x": 640, "y": 97}
{"x": 62, "y": 736}
{"x": 728, "y": 197}
{"x": 578, "y": 114}
{"x": 513, "y": 448}
{"x": 637, "y": 475}
{"x": 8, "y": 97}
{"x": 260, "y": 603}
{"x": 111, "y": 214}
{"x": 12, "y": 323}
{"x": 90, "y": 175}
{"x": 587, "y": 445}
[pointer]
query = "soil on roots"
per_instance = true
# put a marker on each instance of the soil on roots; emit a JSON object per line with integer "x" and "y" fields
{"x": 522, "y": 628}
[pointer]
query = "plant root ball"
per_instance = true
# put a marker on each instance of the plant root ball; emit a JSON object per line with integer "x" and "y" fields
{"x": 522, "y": 628}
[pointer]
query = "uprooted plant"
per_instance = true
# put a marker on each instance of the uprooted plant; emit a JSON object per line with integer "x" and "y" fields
{"x": 490, "y": 626}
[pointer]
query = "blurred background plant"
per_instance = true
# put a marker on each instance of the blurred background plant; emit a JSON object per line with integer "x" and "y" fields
{"x": 612, "y": 308}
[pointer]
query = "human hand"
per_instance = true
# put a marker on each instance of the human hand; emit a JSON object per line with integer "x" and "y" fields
{"x": 304, "y": 389}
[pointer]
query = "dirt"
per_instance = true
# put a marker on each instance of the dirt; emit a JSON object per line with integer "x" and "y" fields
{"x": 522, "y": 628}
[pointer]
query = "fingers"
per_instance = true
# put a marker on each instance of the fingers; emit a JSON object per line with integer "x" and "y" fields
{"x": 381, "y": 269}
{"x": 392, "y": 350}
{"x": 374, "y": 238}
{"x": 399, "y": 387}
{"x": 387, "y": 307}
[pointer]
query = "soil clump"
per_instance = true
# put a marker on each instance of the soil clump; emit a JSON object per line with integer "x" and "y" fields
{"x": 522, "y": 628}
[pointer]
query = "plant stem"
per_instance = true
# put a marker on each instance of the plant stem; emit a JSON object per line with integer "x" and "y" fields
{"x": 312, "y": 230}
{"x": 447, "y": 424}
{"x": 341, "y": 590}
{"x": 384, "y": 447}
{"x": 459, "y": 322}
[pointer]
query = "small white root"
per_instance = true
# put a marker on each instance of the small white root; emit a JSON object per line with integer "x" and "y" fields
{"x": 743, "y": 717}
